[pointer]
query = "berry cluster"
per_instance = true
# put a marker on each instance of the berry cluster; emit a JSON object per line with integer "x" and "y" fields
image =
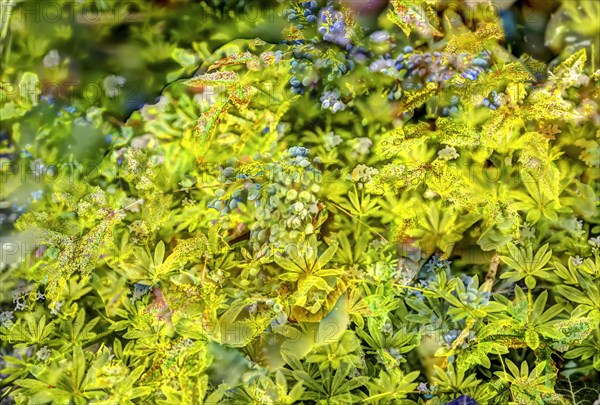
{"x": 472, "y": 296}
{"x": 309, "y": 67}
{"x": 436, "y": 67}
{"x": 330, "y": 100}
{"x": 332, "y": 25}
{"x": 308, "y": 10}
{"x": 492, "y": 101}
{"x": 304, "y": 77}
{"x": 281, "y": 194}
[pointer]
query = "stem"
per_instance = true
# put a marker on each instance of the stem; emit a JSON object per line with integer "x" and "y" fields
{"x": 140, "y": 201}
{"x": 490, "y": 277}
{"x": 5, "y": 14}
{"x": 417, "y": 289}
{"x": 529, "y": 303}
{"x": 360, "y": 203}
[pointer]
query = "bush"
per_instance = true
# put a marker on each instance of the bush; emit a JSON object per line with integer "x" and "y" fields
{"x": 386, "y": 207}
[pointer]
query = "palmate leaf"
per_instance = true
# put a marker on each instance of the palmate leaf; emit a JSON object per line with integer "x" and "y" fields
{"x": 77, "y": 254}
{"x": 32, "y": 332}
{"x": 526, "y": 263}
{"x": 474, "y": 42}
{"x": 75, "y": 383}
{"x": 346, "y": 349}
{"x": 537, "y": 166}
{"x": 391, "y": 386}
{"x": 547, "y": 104}
{"x": 527, "y": 387}
{"x": 454, "y": 378}
{"x": 320, "y": 310}
{"x": 185, "y": 250}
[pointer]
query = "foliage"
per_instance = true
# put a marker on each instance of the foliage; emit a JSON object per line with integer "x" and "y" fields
{"x": 393, "y": 211}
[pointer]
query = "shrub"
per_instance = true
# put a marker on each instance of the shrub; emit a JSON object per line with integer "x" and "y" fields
{"x": 349, "y": 214}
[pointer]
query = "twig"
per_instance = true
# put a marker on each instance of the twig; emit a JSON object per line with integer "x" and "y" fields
{"x": 490, "y": 277}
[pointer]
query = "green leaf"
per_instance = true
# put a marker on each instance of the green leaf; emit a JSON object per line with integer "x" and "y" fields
{"x": 530, "y": 282}
{"x": 326, "y": 256}
{"x": 185, "y": 58}
{"x": 532, "y": 339}
{"x": 29, "y": 87}
{"x": 159, "y": 253}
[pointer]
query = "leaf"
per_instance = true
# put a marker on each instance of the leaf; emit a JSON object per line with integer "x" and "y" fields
{"x": 574, "y": 63}
{"x": 234, "y": 59}
{"x": 241, "y": 95}
{"x": 184, "y": 251}
{"x": 453, "y": 132}
{"x": 474, "y": 42}
{"x": 29, "y": 87}
{"x": 415, "y": 99}
{"x": 412, "y": 15}
{"x": 574, "y": 295}
{"x": 516, "y": 93}
{"x": 226, "y": 77}
{"x": 326, "y": 257}
{"x": 530, "y": 282}
{"x": 76, "y": 254}
{"x": 78, "y": 366}
{"x": 549, "y": 331}
{"x": 287, "y": 264}
{"x": 532, "y": 339}
{"x": 206, "y": 126}
{"x": 159, "y": 253}
{"x": 397, "y": 141}
{"x": 185, "y": 58}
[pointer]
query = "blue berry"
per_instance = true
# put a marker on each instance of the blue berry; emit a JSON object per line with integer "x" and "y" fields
{"x": 296, "y": 151}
